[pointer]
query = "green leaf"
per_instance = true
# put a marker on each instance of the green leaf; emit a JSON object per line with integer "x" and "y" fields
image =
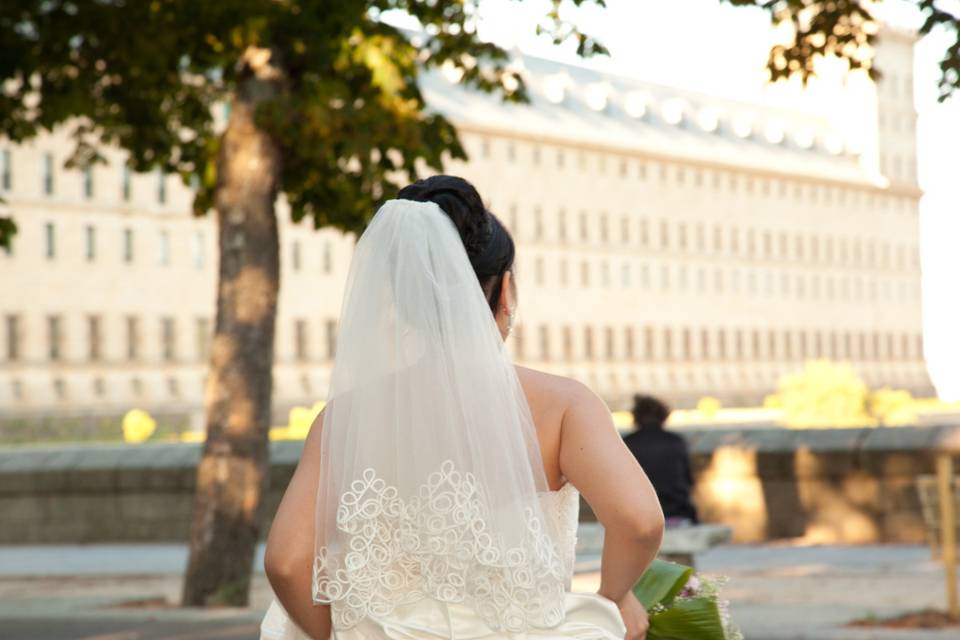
{"x": 661, "y": 582}
{"x": 687, "y": 619}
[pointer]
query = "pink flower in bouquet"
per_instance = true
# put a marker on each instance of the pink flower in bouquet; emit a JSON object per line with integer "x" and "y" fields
{"x": 692, "y": 588}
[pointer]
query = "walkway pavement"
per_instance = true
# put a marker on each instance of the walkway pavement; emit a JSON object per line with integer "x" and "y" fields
{"x": 777, "y": 592}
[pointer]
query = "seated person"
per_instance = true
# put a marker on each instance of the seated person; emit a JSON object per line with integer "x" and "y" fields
{"x": 664, "y": 457}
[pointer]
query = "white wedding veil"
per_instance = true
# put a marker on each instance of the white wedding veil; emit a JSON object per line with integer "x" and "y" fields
{"x": 430, "y": 467}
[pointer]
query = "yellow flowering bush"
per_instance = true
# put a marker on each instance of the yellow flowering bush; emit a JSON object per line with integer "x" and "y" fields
{"x": 137, "y": 426}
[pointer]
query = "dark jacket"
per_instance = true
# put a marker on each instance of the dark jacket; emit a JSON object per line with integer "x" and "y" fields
{"x": 664, "y": 457}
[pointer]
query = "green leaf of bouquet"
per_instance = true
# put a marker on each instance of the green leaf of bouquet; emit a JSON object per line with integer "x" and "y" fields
{"x": 661, "y": 582}
{"x": 687, "y": 619}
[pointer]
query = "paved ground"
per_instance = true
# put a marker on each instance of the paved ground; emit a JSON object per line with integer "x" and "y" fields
{"x": 777, "y": 592}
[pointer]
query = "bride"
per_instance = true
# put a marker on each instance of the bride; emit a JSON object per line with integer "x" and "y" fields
{"x": 437, "y": 493}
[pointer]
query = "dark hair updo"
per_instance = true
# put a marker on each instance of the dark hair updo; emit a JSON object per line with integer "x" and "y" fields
{"x": 488, "y": 243}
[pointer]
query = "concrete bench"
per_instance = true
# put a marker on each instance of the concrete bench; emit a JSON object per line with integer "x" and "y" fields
{"x": 680, "y": 544}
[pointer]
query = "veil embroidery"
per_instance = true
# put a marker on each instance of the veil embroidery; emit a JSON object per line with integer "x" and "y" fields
{"x": 430, "y": 467}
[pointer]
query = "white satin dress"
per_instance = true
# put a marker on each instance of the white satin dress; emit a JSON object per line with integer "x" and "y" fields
{"x": 588, "y": 616}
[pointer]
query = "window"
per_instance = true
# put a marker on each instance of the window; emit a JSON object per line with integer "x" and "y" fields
{"x": 300, "y": 340}
{"x": 751, "y": 242}
{"x": 13, "y": 337}
{"x": 568, "y": 343}
{"x": 686, "y": 344}
{"x": 560, "y": 158}
{"x": 327, "y": 257}
{"x": 168, "y": 339}
{"x": 564, "y": 275}
{"x": 128, "y": 245}
{"x": 644, "y": 233}
{"x": 535, "y": 154}
{"x": 584, "y": 231}
{"x": 562, "y": 225}
{"x": 55, "y": 337}
{"x": 538, "y": 269}
{"x": 48, "y": 174}
{"x": 6, "y": 170}
{"x": 628, "y": 346}
{"x": 538, "y": 223}
{"x": 164, "y": 248}
{"x": 626, "y": 275}
{"x": 94, "y": 338}
{"x": 664, "y": 234}
{"x": 199, "y": 249}
{"x": 50, "y": 235}
{"x": 649, "y": 343}
{"x": 544, "y": 334}
{"x": 295, "y": 255}
{"x": 514, "y": 222}
{"x": 331, "y": 339}
{"x": 608, "y": 343}
{"x": 133, "y": 338}
{"x": 90, "y": 242}
{"x": 518, "y": 343}
{"x": 161, "y": 187}
{"x": 485, "y": 147}
{"x": 667, "y": 344}
{"x": 202, "y": 328}
{"x": 511, "y": 152}
{"x": 125, "y": 184}
{"x": 625, "y": 229}
{"x": 604, "y": 228}
{"x": 585, "y": 274}
{"x": 88, "y": 183}
{"x": 588, "y": 342}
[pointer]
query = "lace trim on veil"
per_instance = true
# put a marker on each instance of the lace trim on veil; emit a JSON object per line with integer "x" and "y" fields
{"x": 436, "y": 545}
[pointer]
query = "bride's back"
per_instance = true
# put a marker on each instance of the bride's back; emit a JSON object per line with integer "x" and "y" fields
{"x": 549, "y": 397}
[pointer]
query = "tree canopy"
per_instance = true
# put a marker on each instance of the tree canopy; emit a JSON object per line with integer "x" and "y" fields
{"x": 146, "y": 76}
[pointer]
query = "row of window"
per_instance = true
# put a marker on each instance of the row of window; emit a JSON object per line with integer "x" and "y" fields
{"x": 686, "y": 176}
{"x": 61, "y": 390}
{"x": 615, "y": 381}
{"x": 670, "y": 344}
{"x": 166, "y": 331}
{"x": 92, "y": 240}
{"x": 198, "y": 243}
{"x": 708, "y": 239}
{"x": 49, "y": 177}
{"x": 649, "y": 343}
{"x": 666, "y": 277}
{"x": 133, "y": 328}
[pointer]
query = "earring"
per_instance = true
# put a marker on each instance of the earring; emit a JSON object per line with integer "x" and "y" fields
{"x": 510, "y": 315}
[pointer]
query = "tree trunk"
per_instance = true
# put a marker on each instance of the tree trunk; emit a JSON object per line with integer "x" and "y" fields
{"x": 233, "y": 473}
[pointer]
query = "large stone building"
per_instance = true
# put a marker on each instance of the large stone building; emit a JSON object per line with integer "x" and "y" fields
{"x": 669, "y": 242}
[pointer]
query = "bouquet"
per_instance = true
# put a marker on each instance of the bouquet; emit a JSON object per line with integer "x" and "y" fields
{"x": 684, "y": 606}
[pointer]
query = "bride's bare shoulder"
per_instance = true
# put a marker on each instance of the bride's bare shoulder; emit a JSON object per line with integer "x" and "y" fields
{"x": 558, "y": 391}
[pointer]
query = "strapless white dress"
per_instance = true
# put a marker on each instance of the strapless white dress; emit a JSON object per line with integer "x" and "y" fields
{"x": 588, "y": 616}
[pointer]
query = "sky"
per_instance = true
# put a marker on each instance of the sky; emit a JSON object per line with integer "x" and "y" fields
{"x": 707, "y": 47}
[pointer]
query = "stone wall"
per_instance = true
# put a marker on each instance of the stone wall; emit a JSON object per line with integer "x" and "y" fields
{"x": 843, "y": 485}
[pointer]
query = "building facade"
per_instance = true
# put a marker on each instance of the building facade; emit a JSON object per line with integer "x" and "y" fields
{"x": 668, "y": 242}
